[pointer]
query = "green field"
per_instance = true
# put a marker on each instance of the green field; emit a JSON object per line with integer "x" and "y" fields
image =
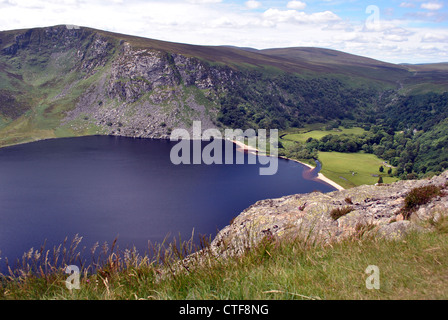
{"x": 353, "y": 169}
{"x": 303, "y": 135}
{"x": 346, "y": 169}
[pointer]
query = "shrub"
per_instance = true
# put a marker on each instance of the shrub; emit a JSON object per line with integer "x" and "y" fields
{"x": 417, "y": 197}
{"x": 339, "y": 212}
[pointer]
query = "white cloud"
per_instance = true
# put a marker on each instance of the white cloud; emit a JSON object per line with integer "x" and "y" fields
{"x": 296, "y": 5}
{"x": 203, "y": 1}
{"x": 42, "y": 3}
{"x": 389, "y": 47}
{"x": 252, "y": 4}
{"x": 434, "y": 37}
{"x": 395, "y": 38}
{"x": 353, "y": 37}
{"x": 398, "y": 31}
{"x": 293, "y": 16}
{"x": 432, "y": 6}
{"x": 407, "y": 5}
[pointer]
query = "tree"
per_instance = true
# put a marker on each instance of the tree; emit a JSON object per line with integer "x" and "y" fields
{"x": 380, "y": 180}
{"x": 381, "y": 169}
{"x": 408, "y": 167}
{"x": 444, "y": 164}
{"x": 389, "y": 172}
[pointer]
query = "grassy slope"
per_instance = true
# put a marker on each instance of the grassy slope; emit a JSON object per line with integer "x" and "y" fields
{"x": 411, "y": 268}
{"x": 303, "y": 135}
{"x": 42, "y": 80}
{"x": 343, "y": 63}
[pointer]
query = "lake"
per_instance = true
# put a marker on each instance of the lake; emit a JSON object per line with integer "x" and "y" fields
{"x": 103, "y": 187}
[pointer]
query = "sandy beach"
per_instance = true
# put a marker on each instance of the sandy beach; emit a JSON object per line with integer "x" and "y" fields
{"x": 245, "y": 147}
{"x": 330, "y": 182}
{"x": 320, "y": 176}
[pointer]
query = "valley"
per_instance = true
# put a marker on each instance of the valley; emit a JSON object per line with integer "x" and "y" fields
{"x": 65, "y": 82}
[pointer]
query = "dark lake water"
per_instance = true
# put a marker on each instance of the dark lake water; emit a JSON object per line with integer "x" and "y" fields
{"x": 103, "y": 188}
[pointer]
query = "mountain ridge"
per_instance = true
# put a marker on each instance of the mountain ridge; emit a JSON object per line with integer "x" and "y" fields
{"x": 232, "y": 53}
{"x": 68, "y": 81}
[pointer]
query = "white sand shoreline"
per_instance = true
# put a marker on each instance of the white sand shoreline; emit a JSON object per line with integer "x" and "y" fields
{"x": 320, "y": 176}
{"x": 240, "y": 144}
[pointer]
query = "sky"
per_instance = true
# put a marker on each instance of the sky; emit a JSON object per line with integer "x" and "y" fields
{"x": 397, "y": 31}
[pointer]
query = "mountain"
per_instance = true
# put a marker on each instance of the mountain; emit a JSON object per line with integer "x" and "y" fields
{"x": 68, "y": 81}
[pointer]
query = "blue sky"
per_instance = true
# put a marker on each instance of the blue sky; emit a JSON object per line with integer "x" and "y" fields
{"x": 398, "y": 31}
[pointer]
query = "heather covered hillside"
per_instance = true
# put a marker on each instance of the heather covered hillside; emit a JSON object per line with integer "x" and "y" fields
{"x": 65, "y": 81}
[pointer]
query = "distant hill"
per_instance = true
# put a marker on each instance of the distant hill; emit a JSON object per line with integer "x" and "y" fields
{"x": 67, "y": 81}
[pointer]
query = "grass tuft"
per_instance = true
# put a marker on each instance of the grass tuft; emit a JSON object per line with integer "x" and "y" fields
{"x": 339, "y": 212}
{"x": 417, "y": 197}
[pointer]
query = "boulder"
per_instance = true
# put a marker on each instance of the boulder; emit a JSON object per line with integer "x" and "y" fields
{"x": 375, "y": 209}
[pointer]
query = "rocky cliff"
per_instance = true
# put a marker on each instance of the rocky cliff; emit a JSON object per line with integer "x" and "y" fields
{"x": 377, "y": 210}
{"x": 146, "y": 92}
{"x": 69, "y": 81}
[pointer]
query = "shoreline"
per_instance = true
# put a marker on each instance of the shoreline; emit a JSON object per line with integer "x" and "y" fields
{"x": 320, "y": 176}
{"x": 245, "y": 147}
{"x": 240, "y": 144}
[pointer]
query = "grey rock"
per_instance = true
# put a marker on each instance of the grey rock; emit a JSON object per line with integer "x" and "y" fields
{"x": 397, "y": 230}
{"x": 147, "y": 93}
{"x": 375, "y": 211}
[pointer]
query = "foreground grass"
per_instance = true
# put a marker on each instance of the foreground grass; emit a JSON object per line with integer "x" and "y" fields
{"x": 412, "y": 268}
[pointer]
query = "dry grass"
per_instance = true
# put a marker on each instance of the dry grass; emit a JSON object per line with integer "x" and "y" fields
{"x": 419, "y": 196}
{"x": 340, "y": 212}
{"x": 283, "y": 269}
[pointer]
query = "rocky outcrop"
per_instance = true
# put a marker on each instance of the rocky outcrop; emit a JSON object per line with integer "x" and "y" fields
{"x": 147, "y": 92}
{"x": 138, "y": 71}
{"x": 104, "y": 84}
{"x": 373, "y": 210}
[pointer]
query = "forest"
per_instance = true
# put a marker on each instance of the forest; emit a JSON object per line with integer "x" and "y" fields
{"x": 410, "y": 132}
{"x": 283, "y": 101}
{"x": 414, "y": 153}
